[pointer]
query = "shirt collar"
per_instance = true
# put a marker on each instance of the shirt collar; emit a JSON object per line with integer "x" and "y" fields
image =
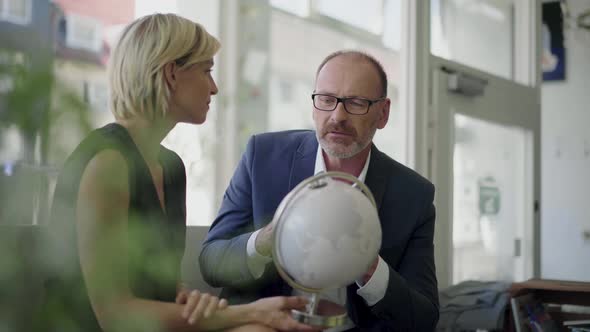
{"x": 320, "y": 164}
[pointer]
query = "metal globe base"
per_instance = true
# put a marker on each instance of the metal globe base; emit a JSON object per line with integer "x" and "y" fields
{"x": 320, "y": 313}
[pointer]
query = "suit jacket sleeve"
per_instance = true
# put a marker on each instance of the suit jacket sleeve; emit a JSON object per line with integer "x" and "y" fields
{"x": 223, "y": 258}
{"x": 411, "y": 300}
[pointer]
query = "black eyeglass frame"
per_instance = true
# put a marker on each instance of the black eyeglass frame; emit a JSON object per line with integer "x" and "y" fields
{"x": 343, "y": 101}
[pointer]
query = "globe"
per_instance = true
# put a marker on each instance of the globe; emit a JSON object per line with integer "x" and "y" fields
{"x": 327, "y": 232}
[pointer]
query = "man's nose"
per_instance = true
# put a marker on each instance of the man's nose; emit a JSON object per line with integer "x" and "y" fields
{"x": 339, "y": 114}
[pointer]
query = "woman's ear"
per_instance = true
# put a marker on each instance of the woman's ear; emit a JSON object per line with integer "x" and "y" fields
{"x": 170, "y": 75}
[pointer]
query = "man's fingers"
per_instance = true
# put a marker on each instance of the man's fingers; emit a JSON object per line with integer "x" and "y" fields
{"x": 182, "y": 297}
{"x": 200, "y": 308}
{"x": 211, "y": 306}
{"x": 191, "y": 303}
{"x": 289, "y": 324}
{"x": 294, "y": 302}
{"x": 222, "y": 304}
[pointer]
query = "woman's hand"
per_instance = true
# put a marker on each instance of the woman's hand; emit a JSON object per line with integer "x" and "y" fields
{"x": 201, "y": 305}
{"x": 275, "y": 312}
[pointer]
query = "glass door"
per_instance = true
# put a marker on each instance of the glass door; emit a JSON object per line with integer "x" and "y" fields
{"x": 485, "y": 164}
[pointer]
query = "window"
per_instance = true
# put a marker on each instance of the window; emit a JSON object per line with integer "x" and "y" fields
{"x": 378, "y": 17}
{"x": 476, "y": 33}
{"x": 6, "y": 83}
{"x": 16, "y": 11}
{"x": 83, "y": 33}
{"x": 299, "y": 8}
{"x": 11, "y": 57}
{"x": 8, "y": 60}
{"x": 367, "y": 15}
{"x": 298, "y": 45}
{"x": 392, "y": 18}
{"x": 96, "y": 95}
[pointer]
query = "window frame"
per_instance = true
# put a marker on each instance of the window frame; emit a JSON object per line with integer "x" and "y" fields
{"x": 72, "y": 21}
{"x": 96, "y": 95}
{"x": 6, "y": 15}
{"x": 314, "y": 16}
{"x": 315, "y": 11}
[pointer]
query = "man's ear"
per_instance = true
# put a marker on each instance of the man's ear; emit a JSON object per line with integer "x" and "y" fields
{"x": 384, "y": 114}
{"x": 170, "y": 75}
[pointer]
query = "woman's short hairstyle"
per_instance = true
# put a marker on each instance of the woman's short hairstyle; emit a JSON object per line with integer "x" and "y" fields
{"x": 136, "y": 69}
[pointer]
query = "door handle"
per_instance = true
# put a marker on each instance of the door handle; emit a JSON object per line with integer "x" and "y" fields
{"x": 517, "y": 247}
{"x": 466, "y": 84}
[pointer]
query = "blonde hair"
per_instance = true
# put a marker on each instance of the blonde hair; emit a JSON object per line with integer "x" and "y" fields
{"x": 136, "y": 69}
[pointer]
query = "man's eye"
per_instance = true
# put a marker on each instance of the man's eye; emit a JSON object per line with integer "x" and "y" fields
{"x": 357, "y": 102}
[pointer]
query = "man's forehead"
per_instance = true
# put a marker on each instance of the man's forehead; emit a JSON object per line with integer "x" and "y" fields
{"x": 349, "y": 63}
{"x": 352, "y": 73}
{"x": 348, "y": 59}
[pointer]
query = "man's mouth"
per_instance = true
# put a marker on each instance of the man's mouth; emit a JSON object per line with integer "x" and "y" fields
{"x": 338, "y": 133}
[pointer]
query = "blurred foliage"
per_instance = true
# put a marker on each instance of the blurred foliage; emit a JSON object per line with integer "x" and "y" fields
{"x": 42, "y": 288}
{"x": 36, "y": 104}
{"x": 41, "y": 108}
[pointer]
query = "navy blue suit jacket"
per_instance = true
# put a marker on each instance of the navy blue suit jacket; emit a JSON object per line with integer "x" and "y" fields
{"x": 273, "y": 164}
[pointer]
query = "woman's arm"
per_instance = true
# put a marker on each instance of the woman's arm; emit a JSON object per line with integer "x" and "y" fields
{"x": 274, "y": 312}
{"x": 101, "y": 214}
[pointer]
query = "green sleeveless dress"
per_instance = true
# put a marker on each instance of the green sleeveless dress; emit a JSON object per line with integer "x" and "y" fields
{"x": 155, "y": 236}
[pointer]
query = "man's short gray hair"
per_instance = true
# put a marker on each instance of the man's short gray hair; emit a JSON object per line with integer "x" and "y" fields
{"x": 362, "y": 56}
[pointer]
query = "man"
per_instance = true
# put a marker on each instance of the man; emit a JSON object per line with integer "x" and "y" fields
{"x": 399, "y": 292}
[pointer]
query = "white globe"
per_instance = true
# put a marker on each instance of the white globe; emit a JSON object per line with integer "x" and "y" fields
{"x": 328, "y": 236}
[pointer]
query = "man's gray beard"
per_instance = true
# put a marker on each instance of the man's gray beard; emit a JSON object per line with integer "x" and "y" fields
{"x": 351, "y": 152}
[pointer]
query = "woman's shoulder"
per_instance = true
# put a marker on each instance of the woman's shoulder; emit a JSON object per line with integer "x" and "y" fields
{"x": 171, "y": 159}
{"x": 107, "y": 137}
{"x": 106, "y": 175}
{"x": 101, "y": 149}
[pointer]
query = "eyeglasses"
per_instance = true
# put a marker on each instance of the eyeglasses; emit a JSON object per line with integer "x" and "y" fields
{"x": 352, "y": 105}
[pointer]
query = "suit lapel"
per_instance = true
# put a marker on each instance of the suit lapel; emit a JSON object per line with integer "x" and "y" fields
{"x": 376, "y": 178}
{"x": 302, "y": 167}
{"x": 303, "y": 161}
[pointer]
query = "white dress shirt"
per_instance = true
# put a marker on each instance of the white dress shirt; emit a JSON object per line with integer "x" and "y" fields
{"x": 372, "y": 292}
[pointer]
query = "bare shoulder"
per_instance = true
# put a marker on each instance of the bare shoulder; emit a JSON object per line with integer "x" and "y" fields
{"x": 104, "y": 186}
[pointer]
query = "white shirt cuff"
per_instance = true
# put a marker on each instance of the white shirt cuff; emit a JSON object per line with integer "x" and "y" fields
{"x": 374, "y": 290}
{"x": 256, "y": 262}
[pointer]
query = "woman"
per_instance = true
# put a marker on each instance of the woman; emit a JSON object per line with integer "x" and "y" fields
{"x": 123, "y": 238}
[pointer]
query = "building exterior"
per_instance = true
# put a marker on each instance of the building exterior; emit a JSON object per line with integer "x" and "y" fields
{"x": 86, "y": 34}
{"x": 75, "y": 37}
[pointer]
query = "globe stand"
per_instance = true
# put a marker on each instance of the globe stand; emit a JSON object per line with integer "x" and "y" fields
{"x": 319, "y": 313}
{"x": 315, "y": 318}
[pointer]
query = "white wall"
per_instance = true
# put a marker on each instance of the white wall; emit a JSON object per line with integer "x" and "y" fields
{"x": 565, "y": 200}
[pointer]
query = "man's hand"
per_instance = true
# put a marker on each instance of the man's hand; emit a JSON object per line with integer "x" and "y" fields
{"x": 275, "y": 312}
{"x": 264, "y": 240}
{"x": 182, "y": 295}
{"x": 367, "y": 276}
{"x": 201, "y": 305}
